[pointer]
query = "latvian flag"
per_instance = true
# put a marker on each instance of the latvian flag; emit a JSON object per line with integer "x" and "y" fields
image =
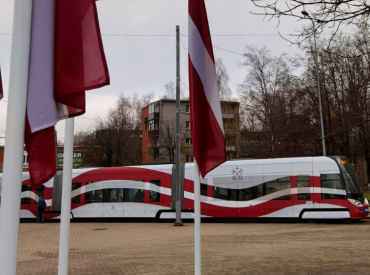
{"x": 206, "y": 125}
{"x": 66, "y": 59}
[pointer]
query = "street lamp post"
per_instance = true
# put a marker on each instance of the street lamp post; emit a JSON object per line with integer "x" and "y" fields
{"x": 318, "y": 84}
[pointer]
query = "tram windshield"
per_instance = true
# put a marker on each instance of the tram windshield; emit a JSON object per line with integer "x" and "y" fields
{"x": 353, "y": 185}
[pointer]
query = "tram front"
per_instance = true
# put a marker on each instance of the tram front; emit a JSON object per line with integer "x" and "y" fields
{"x": 358, "y": 205}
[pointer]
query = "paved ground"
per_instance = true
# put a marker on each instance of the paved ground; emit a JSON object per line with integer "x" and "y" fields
{"x": 160, "y": 248}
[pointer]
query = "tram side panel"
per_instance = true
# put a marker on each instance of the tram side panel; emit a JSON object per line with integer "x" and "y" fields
{"x": 124, "y": 193}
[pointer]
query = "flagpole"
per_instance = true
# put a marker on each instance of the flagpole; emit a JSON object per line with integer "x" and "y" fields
{"x": 197, "y": 241}
{"x": 66, "y": 198}
{"x": 13, "y": 157}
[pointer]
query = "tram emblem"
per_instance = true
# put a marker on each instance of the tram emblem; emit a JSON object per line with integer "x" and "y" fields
{"x": 237, "y": 173}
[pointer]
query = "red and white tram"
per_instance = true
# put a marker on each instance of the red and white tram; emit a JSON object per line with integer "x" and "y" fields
{"x": 299, "y": 188}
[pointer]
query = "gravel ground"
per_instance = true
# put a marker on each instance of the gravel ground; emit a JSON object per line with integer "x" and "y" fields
{"x": 227, "y": 248}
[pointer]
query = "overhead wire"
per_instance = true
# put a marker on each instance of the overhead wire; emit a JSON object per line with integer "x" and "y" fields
{"x": 78, "y": 126}
{"x": 184, "y": 84}
{"x": 219, "y": 48}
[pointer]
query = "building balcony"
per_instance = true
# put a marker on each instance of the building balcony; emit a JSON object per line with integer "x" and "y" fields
{"x": 154, "y": 150}
{"x": 153, "y": 116}
{"x": 228, "y": 116}
{"x": 153, "y": 133}
{"x": 230, "y": 132}
{"x": 230, "y": 148}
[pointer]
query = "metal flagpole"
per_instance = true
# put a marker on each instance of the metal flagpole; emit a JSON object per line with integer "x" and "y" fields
{"x": 178, "y": 174}
{"x": 13, "y": 157}
{"x": 197, "y": 244}
{"x": 318, "y": 84}
{"x": 66, "y": 198}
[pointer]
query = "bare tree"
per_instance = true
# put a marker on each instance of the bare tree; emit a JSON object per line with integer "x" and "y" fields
{"x": 170, "y": 91}
{"x": 264, "y": 91}
{"x": 116, "y": 139}
{"x": 167, "y": 140}
{"x": 223, "y": 81}
{"x": 281, "y": 104}
{"x": 326, "y": 14}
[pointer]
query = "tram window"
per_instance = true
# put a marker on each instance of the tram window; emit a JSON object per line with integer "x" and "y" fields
{"x": 250, "y": 193}
{"x": 26, "y": 200}
{"x": 40, "y": 192}
{"x": 304, "y": 196}
{"x": 332, "y": 196}
{"x": 224, "y": 193}
{"x": 203, "y": 189}
{"x": 153, "y": 195}
{"x": 136, "y": 195}
{"x": 331, "y": 181}
{"x": 113, "y": 195}
{"x": 277, "y": 185}
{"x": 94, "y": 196}
{"x": 75, "y": 199}
{"x": 286, "y": 197}
{"x": 303, "y": 181}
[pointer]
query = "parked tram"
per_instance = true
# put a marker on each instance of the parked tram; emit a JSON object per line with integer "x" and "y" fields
{"x": 307, "y": 188}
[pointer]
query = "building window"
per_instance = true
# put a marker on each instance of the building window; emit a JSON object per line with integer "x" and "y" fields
{"x": 154, "y": 108}
{"x": 188, "y": 125}
{"x": 189, "y": 141}
{"x": 151, "y": 108}
{"x": 146, "y": 123}
{"x": 188, "y": 108}
{"x": 153, "y": 125}
{"x": 229, "y": 142}
{"x": 189, "y": 158}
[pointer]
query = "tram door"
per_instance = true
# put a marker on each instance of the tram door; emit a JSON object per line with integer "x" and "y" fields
{"x": 278, "y": 196}
{"x": 305, "y": 193}
{"x": 225, "y": 197}
{"x": 250, "y": 196}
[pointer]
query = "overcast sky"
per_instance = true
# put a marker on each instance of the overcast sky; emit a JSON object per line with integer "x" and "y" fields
{"x": 140, "y": 46}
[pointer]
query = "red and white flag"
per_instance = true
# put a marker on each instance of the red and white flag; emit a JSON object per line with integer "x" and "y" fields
{"x": 1, "y": 87}
{"x": 206, "y": 124}
{"x": 66, "y": 59}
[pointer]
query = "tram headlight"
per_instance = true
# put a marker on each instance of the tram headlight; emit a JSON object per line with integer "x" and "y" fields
{"x": 355, "y": 202}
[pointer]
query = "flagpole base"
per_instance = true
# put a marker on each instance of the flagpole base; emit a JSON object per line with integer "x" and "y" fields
{"x": 178, "y": 223}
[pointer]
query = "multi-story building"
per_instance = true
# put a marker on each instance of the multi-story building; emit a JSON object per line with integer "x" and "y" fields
{"x": 159, "y": 131}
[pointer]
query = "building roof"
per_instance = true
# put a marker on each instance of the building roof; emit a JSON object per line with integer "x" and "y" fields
{"x": 185, "y": 101}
